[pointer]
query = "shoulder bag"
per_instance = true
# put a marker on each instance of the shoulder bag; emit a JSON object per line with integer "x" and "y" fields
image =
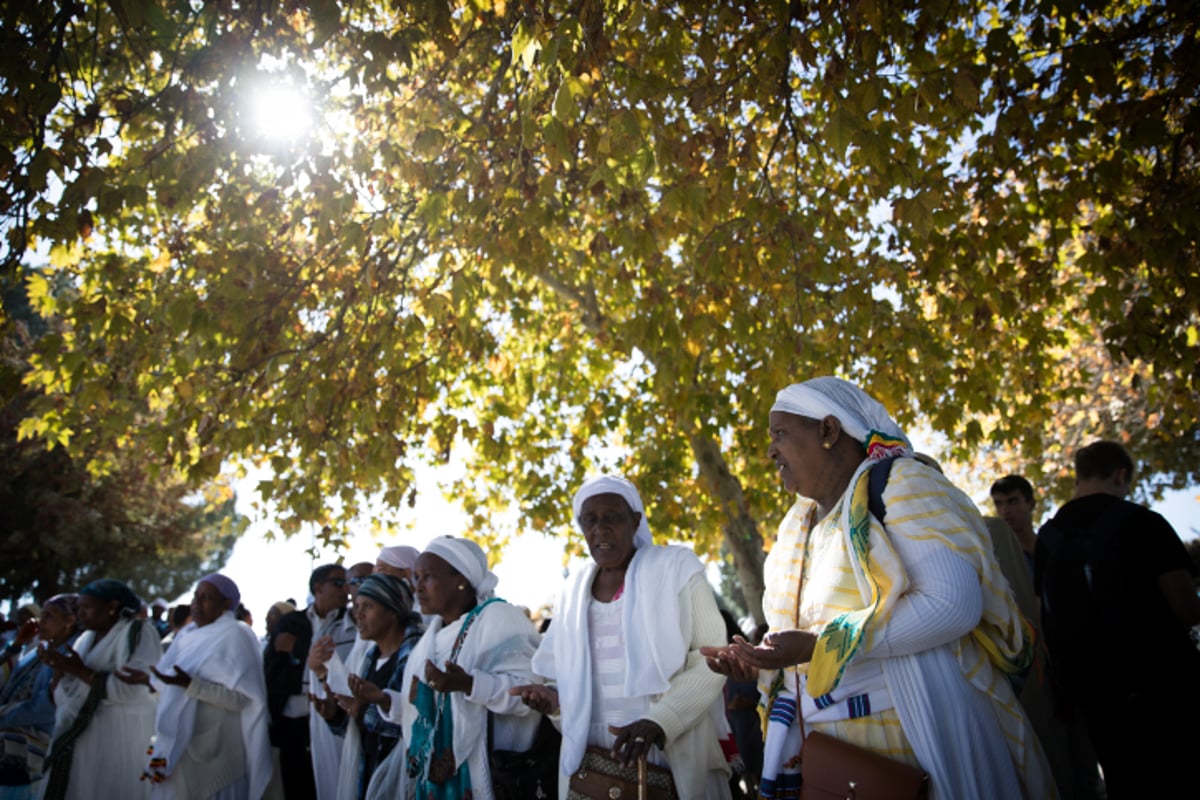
{"x": 601, "y": 778}
{"x": 530, "y": 774}
{"x": 831, "y": 768}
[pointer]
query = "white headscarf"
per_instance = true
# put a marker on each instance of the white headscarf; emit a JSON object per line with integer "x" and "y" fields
{"x": 615, "y": 484}
{"x": 468, "y": 558}
{"x": 859, "y": 414}
{"x": 400, "y": 556}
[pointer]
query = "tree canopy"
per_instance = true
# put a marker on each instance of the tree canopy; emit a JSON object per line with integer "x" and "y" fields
{"x": 542, "y": 238}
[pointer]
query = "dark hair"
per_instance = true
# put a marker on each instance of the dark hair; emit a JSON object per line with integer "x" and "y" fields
{"x": 321, "y": 574}
{"x": 242, "y": 612}
{"x": 1012, "y": 483}
{"x": 180, "y": 614}
{"x": 1102, "y": 459}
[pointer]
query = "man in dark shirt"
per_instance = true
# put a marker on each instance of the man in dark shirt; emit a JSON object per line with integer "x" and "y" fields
{"x": 1118, "y": 601}
{"x": 309, "y": 753}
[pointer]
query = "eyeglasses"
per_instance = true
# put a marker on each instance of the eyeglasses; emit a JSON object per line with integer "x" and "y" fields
{"x": 611, "y": 519}
{"x": 356, "y": 581}
{"x": 338, "y": 582}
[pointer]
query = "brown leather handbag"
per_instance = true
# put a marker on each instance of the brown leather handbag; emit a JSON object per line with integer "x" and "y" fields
{"x": 601, "y": 778}
{"x": 831, "y": 768}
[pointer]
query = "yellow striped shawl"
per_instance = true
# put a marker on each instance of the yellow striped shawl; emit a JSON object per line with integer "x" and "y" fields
{"x": 855, "y": 577}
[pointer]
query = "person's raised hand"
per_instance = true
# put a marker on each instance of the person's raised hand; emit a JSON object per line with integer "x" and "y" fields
{"x": 368, "y": 692}
{"x": 726, "y": 661}
{"x": 27, "y": 632}
{"x": 64, "y": 662}
{"x": 779, "y": 649}
{"x": 326, "y": 706}
{"x": 134, "y": 677}
{"x": 319, "y": 653}
{"x": 541, "y": 698}
{"x": 351, "y": 705}
{"x": 452, "y": 679}
{"x": 179, "y": 678}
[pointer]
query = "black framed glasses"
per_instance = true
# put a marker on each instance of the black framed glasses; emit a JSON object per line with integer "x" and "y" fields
{"x": 338, "y": 582}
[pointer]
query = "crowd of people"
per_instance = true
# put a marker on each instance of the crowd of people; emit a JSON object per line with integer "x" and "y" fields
{"x": 996, "y": 660}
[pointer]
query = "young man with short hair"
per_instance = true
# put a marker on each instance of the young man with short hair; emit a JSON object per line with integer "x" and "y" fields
{"x": 1118, "y": 601}
{"x": 1013, "y": 498}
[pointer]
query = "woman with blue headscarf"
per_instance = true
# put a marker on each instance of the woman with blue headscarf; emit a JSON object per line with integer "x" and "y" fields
{"x": 891, "y": 625}
{"x": 624, "y": 652}
{"x": 102, "y": 724}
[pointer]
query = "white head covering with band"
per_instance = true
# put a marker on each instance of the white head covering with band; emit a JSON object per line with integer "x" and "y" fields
{"x": 468, "y": 558}
{"x": 615, "y": 484}
{"x": 862, "y": 417}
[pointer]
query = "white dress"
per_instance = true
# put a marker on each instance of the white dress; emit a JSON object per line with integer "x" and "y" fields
{"x": 111, "y": 753}
{"x": 211, "y": 738}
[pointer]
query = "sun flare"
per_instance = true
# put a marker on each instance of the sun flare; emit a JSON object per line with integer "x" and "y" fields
{"x": 280, "y": 111}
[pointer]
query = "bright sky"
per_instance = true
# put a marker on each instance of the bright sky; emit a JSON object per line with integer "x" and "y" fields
{"x": 530, "y": 570}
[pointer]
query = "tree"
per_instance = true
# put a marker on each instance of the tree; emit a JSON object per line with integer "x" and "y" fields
{"x": 549, "y": 237}
{"x": 63, "y": 527}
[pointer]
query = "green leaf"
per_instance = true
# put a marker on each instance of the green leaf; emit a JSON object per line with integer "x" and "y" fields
{"x": 525, "y": 44}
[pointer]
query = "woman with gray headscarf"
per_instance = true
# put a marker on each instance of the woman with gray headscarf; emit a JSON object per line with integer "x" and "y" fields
{"x": 624, "y": 653}
{"x": 475, "y": 649}
{"x": 372, "y": 764}
{"x": 894, "y": 630}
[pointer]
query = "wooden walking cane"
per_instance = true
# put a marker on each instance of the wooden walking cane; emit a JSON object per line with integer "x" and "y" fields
{"x": 642, "y": 778}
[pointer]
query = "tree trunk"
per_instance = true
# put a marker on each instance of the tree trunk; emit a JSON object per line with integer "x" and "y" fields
{"x": 741, "y": 530}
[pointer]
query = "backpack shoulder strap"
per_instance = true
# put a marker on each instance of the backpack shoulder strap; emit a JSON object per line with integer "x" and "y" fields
{"x": 877, "y": 479}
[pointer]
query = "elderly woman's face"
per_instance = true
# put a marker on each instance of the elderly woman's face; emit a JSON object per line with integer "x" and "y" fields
{"x": 207, "y": 605}
{"x": 374, "y": 619}
{"x": 796, "y": 450}
{"x": 608, "y": 525}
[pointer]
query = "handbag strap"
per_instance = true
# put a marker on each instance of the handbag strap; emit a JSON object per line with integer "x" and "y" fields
{"x": 462, "y": 632}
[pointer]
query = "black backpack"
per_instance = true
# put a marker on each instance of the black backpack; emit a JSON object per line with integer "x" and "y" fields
{"x": 1082, "y": 591}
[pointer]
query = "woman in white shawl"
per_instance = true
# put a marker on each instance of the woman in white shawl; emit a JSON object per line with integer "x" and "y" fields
{"x": 892, "y": 629}
{"x": 476, "y": 648}
{"x": 624, "y": 651}
{"x": 211, "y": 727}
{"x": 102, "y": 725}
